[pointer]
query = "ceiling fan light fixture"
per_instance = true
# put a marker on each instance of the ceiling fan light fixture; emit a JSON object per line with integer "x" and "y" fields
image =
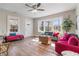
{"x": 34, "y": 11}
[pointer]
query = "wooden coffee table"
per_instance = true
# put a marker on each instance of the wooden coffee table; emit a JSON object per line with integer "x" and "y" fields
{"x": 45, "y": 39}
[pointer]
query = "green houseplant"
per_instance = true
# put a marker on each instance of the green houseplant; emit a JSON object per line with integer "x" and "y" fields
{"x": 67, "y": 24}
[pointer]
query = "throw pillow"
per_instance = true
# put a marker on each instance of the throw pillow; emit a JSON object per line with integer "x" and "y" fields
{"x": 12, "y": 34}
{"x": 56, "y": 34}
{"x": 73, "y": 40}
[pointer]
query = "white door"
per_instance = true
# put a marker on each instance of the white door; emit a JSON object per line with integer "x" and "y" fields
{"x": 28, "y": 27}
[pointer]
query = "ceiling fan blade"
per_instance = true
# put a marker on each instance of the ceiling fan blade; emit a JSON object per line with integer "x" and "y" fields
{"x": 28, "y": 5}
{"x": 40, "y": 9}
{"x": 38, "y": 5}
{"x": 30, "y": 10}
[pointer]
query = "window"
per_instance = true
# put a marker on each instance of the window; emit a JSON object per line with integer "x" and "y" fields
{"x": 50, "y": 25}
{"x": 40, "y": 26}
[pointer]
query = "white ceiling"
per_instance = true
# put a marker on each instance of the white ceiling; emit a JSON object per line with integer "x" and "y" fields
{"x": 50, "y": 8}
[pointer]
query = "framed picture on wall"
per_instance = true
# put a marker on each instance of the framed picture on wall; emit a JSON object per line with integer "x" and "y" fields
{"x": 12, "y": 24}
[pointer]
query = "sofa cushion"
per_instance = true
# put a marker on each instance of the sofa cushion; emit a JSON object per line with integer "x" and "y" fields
{"x": 20, "y": 36}
{"x": 10, "y": 38}
{"x": 66, "y": 35}
{"x": 62, "y": 39}
{"x": 63, "y": 42}
{"x": 73, "y": 34}
{"x": 73, "y": 40}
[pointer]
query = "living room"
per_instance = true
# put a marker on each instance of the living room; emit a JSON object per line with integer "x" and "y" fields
{"x": 39, "y": 29}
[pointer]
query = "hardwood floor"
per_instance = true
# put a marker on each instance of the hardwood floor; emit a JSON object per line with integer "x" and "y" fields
{"x": 30, "y": 47}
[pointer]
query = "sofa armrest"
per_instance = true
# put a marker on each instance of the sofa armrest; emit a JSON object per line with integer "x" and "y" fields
{"x": 59, "y": 47}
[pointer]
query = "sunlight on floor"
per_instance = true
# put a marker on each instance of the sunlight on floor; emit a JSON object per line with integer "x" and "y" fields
{"x": 35, "y": 39}
{"x": 53, "y": 45}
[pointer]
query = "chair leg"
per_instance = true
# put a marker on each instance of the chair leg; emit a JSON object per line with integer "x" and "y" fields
{"x": 6, "y": 53}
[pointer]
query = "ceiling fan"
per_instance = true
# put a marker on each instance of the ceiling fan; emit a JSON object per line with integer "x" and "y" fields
{"x": 35, "y": 7}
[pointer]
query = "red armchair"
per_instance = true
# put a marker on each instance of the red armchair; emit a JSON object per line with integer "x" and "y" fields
{"x": 13, "y": 38}
{"x": 56, "y": 34}
{"x": 67, "y": 43}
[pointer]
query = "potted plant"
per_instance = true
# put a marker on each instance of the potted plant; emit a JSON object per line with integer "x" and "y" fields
{"x": 67, "y": 24}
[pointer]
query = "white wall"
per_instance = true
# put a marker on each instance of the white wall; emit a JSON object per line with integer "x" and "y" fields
{"x": 77, "y": 13}
{"x": 22, "y": 21}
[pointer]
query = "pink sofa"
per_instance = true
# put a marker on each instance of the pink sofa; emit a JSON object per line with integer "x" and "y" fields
{"x": 68, "y": 42}
{"x": 13, "y": 38}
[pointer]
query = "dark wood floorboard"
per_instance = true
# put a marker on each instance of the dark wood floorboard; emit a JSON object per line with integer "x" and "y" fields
{"x": 30, "y": 47}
